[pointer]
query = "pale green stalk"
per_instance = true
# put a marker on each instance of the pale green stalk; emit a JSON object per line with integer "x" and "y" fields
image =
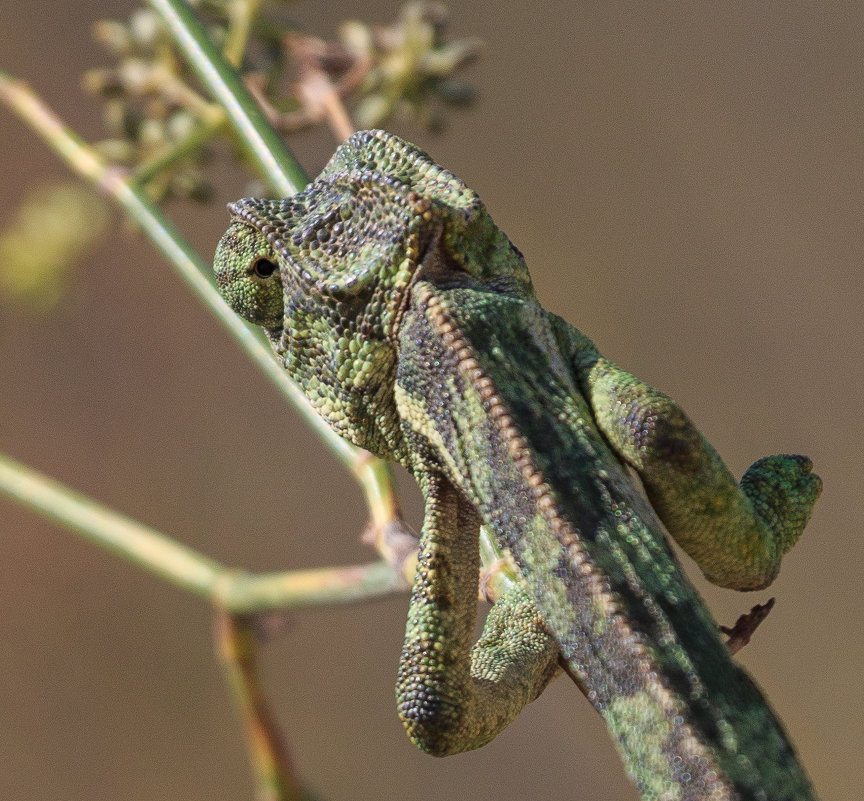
{"x": 233, "y": 590}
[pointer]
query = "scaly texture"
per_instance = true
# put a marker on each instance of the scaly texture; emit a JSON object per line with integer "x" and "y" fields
{"x": 410, "y": 322}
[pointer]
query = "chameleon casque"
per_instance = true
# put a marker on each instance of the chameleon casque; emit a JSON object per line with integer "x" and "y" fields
{"x": 410, "y": 322}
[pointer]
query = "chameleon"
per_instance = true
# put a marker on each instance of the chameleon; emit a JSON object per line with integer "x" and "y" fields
{"x": 410, "y": 322}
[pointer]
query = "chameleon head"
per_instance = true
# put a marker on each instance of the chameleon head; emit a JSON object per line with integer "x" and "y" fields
{"x": 340, "y": 250}
{"x": 348, "y": 246}
{"x": 328, "y": 271}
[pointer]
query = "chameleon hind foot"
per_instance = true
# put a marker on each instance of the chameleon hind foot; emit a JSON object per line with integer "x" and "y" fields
{"x": 742, "y": 632}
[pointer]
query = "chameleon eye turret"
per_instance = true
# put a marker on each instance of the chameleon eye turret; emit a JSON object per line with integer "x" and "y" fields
{"x": 248, "y": 275}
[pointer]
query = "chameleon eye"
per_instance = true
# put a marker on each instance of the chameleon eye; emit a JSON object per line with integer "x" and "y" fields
{"x": 264, "y": 268}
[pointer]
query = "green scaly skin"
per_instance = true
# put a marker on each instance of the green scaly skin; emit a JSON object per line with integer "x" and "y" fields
{"x": 410, "y": 322}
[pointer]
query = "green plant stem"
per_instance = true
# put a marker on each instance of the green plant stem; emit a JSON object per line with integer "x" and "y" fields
{"x": 126, "y": 537}
{"x": 234, "y": 590}
{"x": 498, "y": 573}
{"x": 275, "y": 162}
{"x": 252, "y": 593}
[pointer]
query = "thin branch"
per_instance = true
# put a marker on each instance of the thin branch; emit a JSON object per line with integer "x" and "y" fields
{"x": 742, "y": 632}
{"x": 498, "y": 572}
{"x": 276, "y": 778}
{"x": 249, "y": 593}
{"x": 157, "y": 553}
{"x": 275, "y": 162}
{"x": 126, "y": 537}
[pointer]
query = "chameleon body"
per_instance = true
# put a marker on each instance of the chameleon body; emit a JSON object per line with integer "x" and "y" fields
{"x": 410, "y": 322}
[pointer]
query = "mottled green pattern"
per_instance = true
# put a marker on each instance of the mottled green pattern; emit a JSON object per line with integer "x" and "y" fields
{"x": 738, "y": 535}
{"x": 410, "y": 322}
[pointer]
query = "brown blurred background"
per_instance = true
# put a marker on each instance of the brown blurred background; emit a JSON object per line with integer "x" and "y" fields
{"x": 686, "y": 183}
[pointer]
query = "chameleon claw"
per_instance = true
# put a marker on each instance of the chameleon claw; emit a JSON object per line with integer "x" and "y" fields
{"x": 739, "y": 634}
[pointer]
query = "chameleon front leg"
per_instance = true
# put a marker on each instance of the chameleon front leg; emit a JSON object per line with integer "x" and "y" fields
{"x": 452, "y": 697}
{"x": 736, "y": 532}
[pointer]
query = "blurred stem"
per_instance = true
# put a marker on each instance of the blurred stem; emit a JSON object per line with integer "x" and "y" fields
{"x": 240, "y": 16}
{"x": 275, "y": 162}
{"x": 199, "y": 136}
{"x": 276, "y": 778}
{"x": 234, "y": 590}
{"x": 319, "y": 98}
{"x": 178, "y": 91}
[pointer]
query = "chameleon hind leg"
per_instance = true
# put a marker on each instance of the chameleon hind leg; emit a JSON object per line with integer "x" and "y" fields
{"x": 736, "y": 532}
{"x": 453, "y": 697}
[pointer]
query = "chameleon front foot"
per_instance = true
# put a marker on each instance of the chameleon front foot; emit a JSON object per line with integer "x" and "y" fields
{"x": 783, "y": 490}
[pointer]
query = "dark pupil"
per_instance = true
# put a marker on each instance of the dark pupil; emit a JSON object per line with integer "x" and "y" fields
{"x": 264, "y": 268}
